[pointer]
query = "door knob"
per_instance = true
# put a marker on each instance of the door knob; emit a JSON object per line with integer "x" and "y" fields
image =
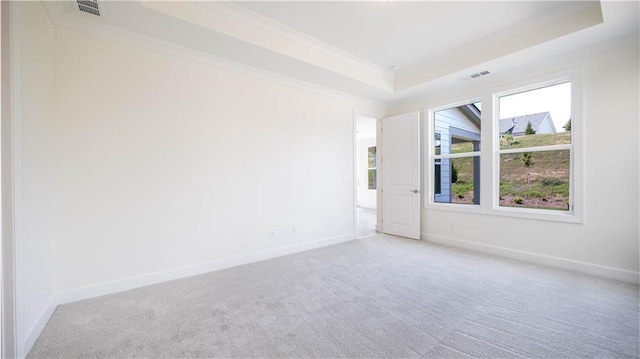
{"x": 414, "y": 190}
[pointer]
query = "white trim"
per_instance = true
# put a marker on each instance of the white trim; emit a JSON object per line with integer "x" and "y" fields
{"x": 249, "y": 17}
{"x": 457, "y": 155}
{"x": 164, "y": 276}
{"x": 489, "y": 197}
{"x": 35, "y": 332}
{"x": 541, "y": 259}
{"x": 264, "y": 37}
{"x": 60, "y": 18}
{"x": 379, "y": 165}
{"x": 574, "y": 214}
{"x": 354, "y": 174}
{"x": 435, "y": 95}
{"x": 125, "y": 284}
{"x": 9, "y": 338}
{"x": 430, "y": 156}
{"x": 17, "y": 178}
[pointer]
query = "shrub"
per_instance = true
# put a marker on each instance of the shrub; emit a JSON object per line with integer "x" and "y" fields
{"x": 454, "y": 173}
{"x": 526, "y": 159}
{"x": 507, "y": 139}
{"x": 567, "y": 126}
{"x": 517, "y": 200}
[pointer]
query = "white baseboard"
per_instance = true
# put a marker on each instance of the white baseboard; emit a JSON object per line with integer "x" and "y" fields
{"x": 536, "y": 258}
{"x": 37, "y": 329}
{"x": 122, "y": 285}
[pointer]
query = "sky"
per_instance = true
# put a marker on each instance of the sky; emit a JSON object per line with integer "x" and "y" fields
{"x": 555, "y": 99}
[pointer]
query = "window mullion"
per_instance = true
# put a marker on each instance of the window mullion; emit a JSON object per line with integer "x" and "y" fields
{"x": 537, "y": 149}
{"x": 456, "y": 155}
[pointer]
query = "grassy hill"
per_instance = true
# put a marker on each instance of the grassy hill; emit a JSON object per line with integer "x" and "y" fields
{"x": 543, "y": 184}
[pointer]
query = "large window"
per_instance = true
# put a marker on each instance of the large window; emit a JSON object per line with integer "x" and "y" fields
{"x": 530, "y": 168}
{"x": 534, "y": 133}
{"x": 456, "y": 160}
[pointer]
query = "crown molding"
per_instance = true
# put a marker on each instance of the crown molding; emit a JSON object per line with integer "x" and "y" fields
{"x": 255, "y": 19}
{"x": 528, "y": 34}
{"x": 232, "y": 21}
{"x": 61, "y": 18}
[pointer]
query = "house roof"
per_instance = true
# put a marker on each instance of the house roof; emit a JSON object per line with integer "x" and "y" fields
{"x": 472, "y": 113}
{"x": 519, "y": 124}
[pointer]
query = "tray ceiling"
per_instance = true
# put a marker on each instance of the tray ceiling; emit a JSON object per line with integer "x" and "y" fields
{"x": 385, "y": 51}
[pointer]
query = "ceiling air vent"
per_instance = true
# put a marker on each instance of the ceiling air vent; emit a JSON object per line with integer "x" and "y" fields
{"x": 479, "y": 74}
{"x": 89, "y": 6}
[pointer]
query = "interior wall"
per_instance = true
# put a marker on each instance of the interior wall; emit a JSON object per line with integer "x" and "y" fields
{"x": 608, "y": 239}
{"x": 164, "y": 163}
{"x": 34, "y": 188}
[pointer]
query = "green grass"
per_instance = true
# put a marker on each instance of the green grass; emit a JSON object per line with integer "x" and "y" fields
{"x": 462, "y": 189}
{"x": 537, "y": 140}
{"x": 544, "y": 184}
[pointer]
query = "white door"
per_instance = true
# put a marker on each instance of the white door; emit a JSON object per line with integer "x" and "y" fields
{"x": 401, "y": 175}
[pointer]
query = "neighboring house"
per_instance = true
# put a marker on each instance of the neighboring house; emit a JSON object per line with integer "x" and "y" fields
{"x": 515, "y": 126}
{"x": 455, "y": 125}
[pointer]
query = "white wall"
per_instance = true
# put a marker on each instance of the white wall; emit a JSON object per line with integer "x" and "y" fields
{"x": 163, "y": 163}
{"x": 36, "y": 209}
{"x": 607, "y": 242}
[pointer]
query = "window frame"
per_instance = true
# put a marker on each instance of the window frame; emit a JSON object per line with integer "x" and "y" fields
{"x": 374, "y": 168}
{"x": 429, "y": 201}
{"x": 490, "y": 150}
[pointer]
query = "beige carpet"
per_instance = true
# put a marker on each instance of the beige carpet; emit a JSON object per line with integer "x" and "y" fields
{"x": 378, "y": 297}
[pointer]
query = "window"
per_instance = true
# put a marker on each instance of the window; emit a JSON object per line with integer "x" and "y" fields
{"x": 372, "y": 167}
{"x": 437, "y": 180}
{"x": 535, "y": 148}
{"x": 456, "y": 159}
{"x": 530, "y": 168}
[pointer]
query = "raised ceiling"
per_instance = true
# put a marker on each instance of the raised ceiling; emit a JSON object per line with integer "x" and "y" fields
{"x": 402, "y": 34}
{"x": 385, "y": 51}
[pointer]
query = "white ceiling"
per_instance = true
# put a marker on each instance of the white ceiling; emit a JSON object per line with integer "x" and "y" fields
{"x": 350, "y": 47}
{"x": 401, "y": 33}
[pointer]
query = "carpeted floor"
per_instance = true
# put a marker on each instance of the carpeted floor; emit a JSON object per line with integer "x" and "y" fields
{"x": 377, "y": 297}
{"x": 366, "y": 222}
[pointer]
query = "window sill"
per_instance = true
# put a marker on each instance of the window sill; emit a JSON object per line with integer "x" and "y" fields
{"x": 521, "y": 213}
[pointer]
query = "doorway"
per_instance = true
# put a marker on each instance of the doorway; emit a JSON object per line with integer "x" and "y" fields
{"x": 366, "y": 176}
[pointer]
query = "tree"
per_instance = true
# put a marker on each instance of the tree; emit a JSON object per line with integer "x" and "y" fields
{"x": 527, "y": 161}
{"x": 529, "y": 130}
{"x": 567, "y": 126}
